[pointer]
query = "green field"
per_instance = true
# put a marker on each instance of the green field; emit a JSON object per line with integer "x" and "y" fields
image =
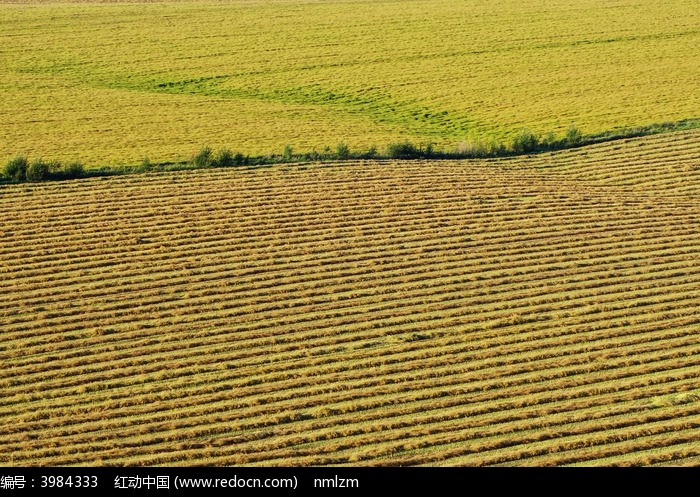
{"x": 114, "y": 83}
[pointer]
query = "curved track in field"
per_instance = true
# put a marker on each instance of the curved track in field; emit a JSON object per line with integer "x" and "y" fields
{"x": 539, "y": 310}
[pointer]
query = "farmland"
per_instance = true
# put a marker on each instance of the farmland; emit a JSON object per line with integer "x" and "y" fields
{"x": 532, "y": 310}
{"x": 114, "y": 83}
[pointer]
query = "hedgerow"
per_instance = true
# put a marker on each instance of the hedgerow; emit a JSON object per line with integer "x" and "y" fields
{"x": 526, "y": 141}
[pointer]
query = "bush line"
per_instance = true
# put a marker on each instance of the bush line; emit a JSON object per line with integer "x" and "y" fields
{"x": 20, "y": 169}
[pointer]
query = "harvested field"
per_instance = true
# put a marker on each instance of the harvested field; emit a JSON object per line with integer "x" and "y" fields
{"x": 537, "y": 310}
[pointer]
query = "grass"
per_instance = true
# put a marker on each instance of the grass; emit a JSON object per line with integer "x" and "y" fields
{"x": 80, "y": 79}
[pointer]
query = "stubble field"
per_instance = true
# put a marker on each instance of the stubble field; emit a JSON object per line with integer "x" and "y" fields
{"x": 538, "y": 310}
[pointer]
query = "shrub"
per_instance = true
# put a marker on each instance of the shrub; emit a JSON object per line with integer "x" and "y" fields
{"x": 146, "y": 165}
{"x": 311, "y": 156}
{"x": 203, "y": 158}
{"x": 402, "y": 150}
{"x": 496, "y": 149}
{"x": 224, "y": 158}
{"x": 342, "y": 151}
{"x": 525, "y": 141}
{"x": 16, "y": 169}
{"x": 288, "y": 152}
{"x": 239, "y": 159}
{"x": 550, "y": 141}
{"x": 73, "y": 170}
{"x": 573, "y": 136}
{"x": 38, "y": 171}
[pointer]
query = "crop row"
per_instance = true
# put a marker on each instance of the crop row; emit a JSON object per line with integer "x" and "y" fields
{"x": 504, "y": 312}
